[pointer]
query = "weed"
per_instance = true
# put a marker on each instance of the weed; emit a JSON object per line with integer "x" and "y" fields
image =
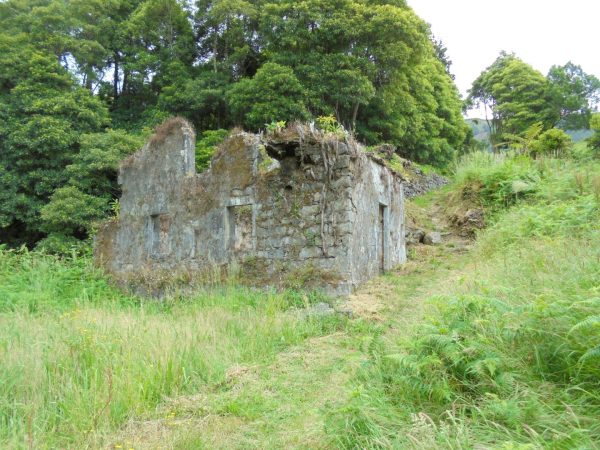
{"x": 275, "y": 126}
{"x": 329, "y": 124}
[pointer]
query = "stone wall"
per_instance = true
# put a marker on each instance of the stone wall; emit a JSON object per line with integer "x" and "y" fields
{"x": 294, "y": 208}
{"x": 377, "y": 243}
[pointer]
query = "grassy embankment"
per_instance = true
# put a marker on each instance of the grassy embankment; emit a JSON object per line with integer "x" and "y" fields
{"x": 508, "y": 356}
{"x": 493, "y": 346}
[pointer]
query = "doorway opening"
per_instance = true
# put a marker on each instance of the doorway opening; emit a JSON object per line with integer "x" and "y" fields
{"x": 381, "y": 237}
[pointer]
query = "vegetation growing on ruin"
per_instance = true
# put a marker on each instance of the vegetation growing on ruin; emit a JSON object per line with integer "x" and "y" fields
{"x": 488, "y": 340}
{"x": 493, "y": 344}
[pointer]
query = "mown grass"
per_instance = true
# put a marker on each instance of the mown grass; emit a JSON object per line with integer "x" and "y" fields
{"x": 508, "y": 357}
{"x": 78, "y": 359}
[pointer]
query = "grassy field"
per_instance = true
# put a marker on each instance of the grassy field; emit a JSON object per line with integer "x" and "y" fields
{"x": 486, "y": 345}
{"x": 78, "y": 359}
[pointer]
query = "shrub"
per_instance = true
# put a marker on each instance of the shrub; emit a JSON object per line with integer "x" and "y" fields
{"x": 594, "y": 141}
{"x": 496, "y": 181}
{"x": 553, "y": 142}
{"x": 63, "y": 245}
{"x": 71, "y": 211}
{"x": 329, "y": 124}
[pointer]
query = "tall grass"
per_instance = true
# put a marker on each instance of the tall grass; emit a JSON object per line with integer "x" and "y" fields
{"x": 509, "y": 357}
{"x": 78, "y": 358}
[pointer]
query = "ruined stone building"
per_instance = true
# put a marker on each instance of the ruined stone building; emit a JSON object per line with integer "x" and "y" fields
{"x": 297, "y": 206}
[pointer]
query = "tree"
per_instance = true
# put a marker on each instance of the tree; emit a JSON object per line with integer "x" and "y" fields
{"x": 94, "y": 167}
{"x": 514, "y": 95}
{"x": 82, "y": 80}
{"x": 573, "y": 94}
{"x": 441, "y": 54}
{"x": 335, "y": 85}
{"x": 374, "y": 66}
{"x": 274, "y": 93}
{"x": 164, "y": 38}
{"x": 227, "y": 36}
{"x": 44, "y": 115}
{"x": 200, "y": 98}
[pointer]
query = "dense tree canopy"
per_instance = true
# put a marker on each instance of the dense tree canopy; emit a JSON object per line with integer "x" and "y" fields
{"x": 515, "y": 94}
{"x": 82, "y": 81}
{"x": 43, "y": 117}
{"x": 573, "y": 94}
{"x": 516, "y": 97}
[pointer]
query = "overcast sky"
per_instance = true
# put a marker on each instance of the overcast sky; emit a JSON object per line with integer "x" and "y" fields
{"x": 541, "y": 32}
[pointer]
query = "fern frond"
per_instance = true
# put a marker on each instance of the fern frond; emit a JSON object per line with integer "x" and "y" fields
{"x": 592, "y": 353}
{"x": 587, "y": 323}
{"x": 533, "y": 131}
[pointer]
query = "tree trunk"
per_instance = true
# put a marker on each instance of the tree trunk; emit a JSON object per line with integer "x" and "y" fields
{"x": 215, "y": 52}
{"x": 125, "y": 86}
{"x": 116, "y": 78}
{"x": 354, "y": 116}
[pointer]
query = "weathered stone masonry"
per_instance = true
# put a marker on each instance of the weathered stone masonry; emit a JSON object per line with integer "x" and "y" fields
{"x": 298, "y": 203}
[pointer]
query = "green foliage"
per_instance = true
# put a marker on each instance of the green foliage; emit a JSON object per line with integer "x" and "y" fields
{"x": 206, "y": 147}
{"x": 553, "y": 142}
{"x": 516, "y": 95}
{"x": 71, "y": 211}
{"x": 594, "y": 141}
{"x": 595, "y": 122}
{"x": 329, "y": 124}
{"x": 94, "y": 168}
{"x": 524, "y": 143}
{"x": 275, "y": 126}
{"x": 45, "y": 117}
{"x": 273, "y": 93}
{"x": 63, "y": 245}
{"x": 565, "y": 203}
{"x": 496, "y": 182}
{"x": 75, "y": 209}
{"x": 200, "y": 99}
{"x": 71, "y": 70}
{"x": 591, "y": 323}
{"x": 572, "y": 92}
